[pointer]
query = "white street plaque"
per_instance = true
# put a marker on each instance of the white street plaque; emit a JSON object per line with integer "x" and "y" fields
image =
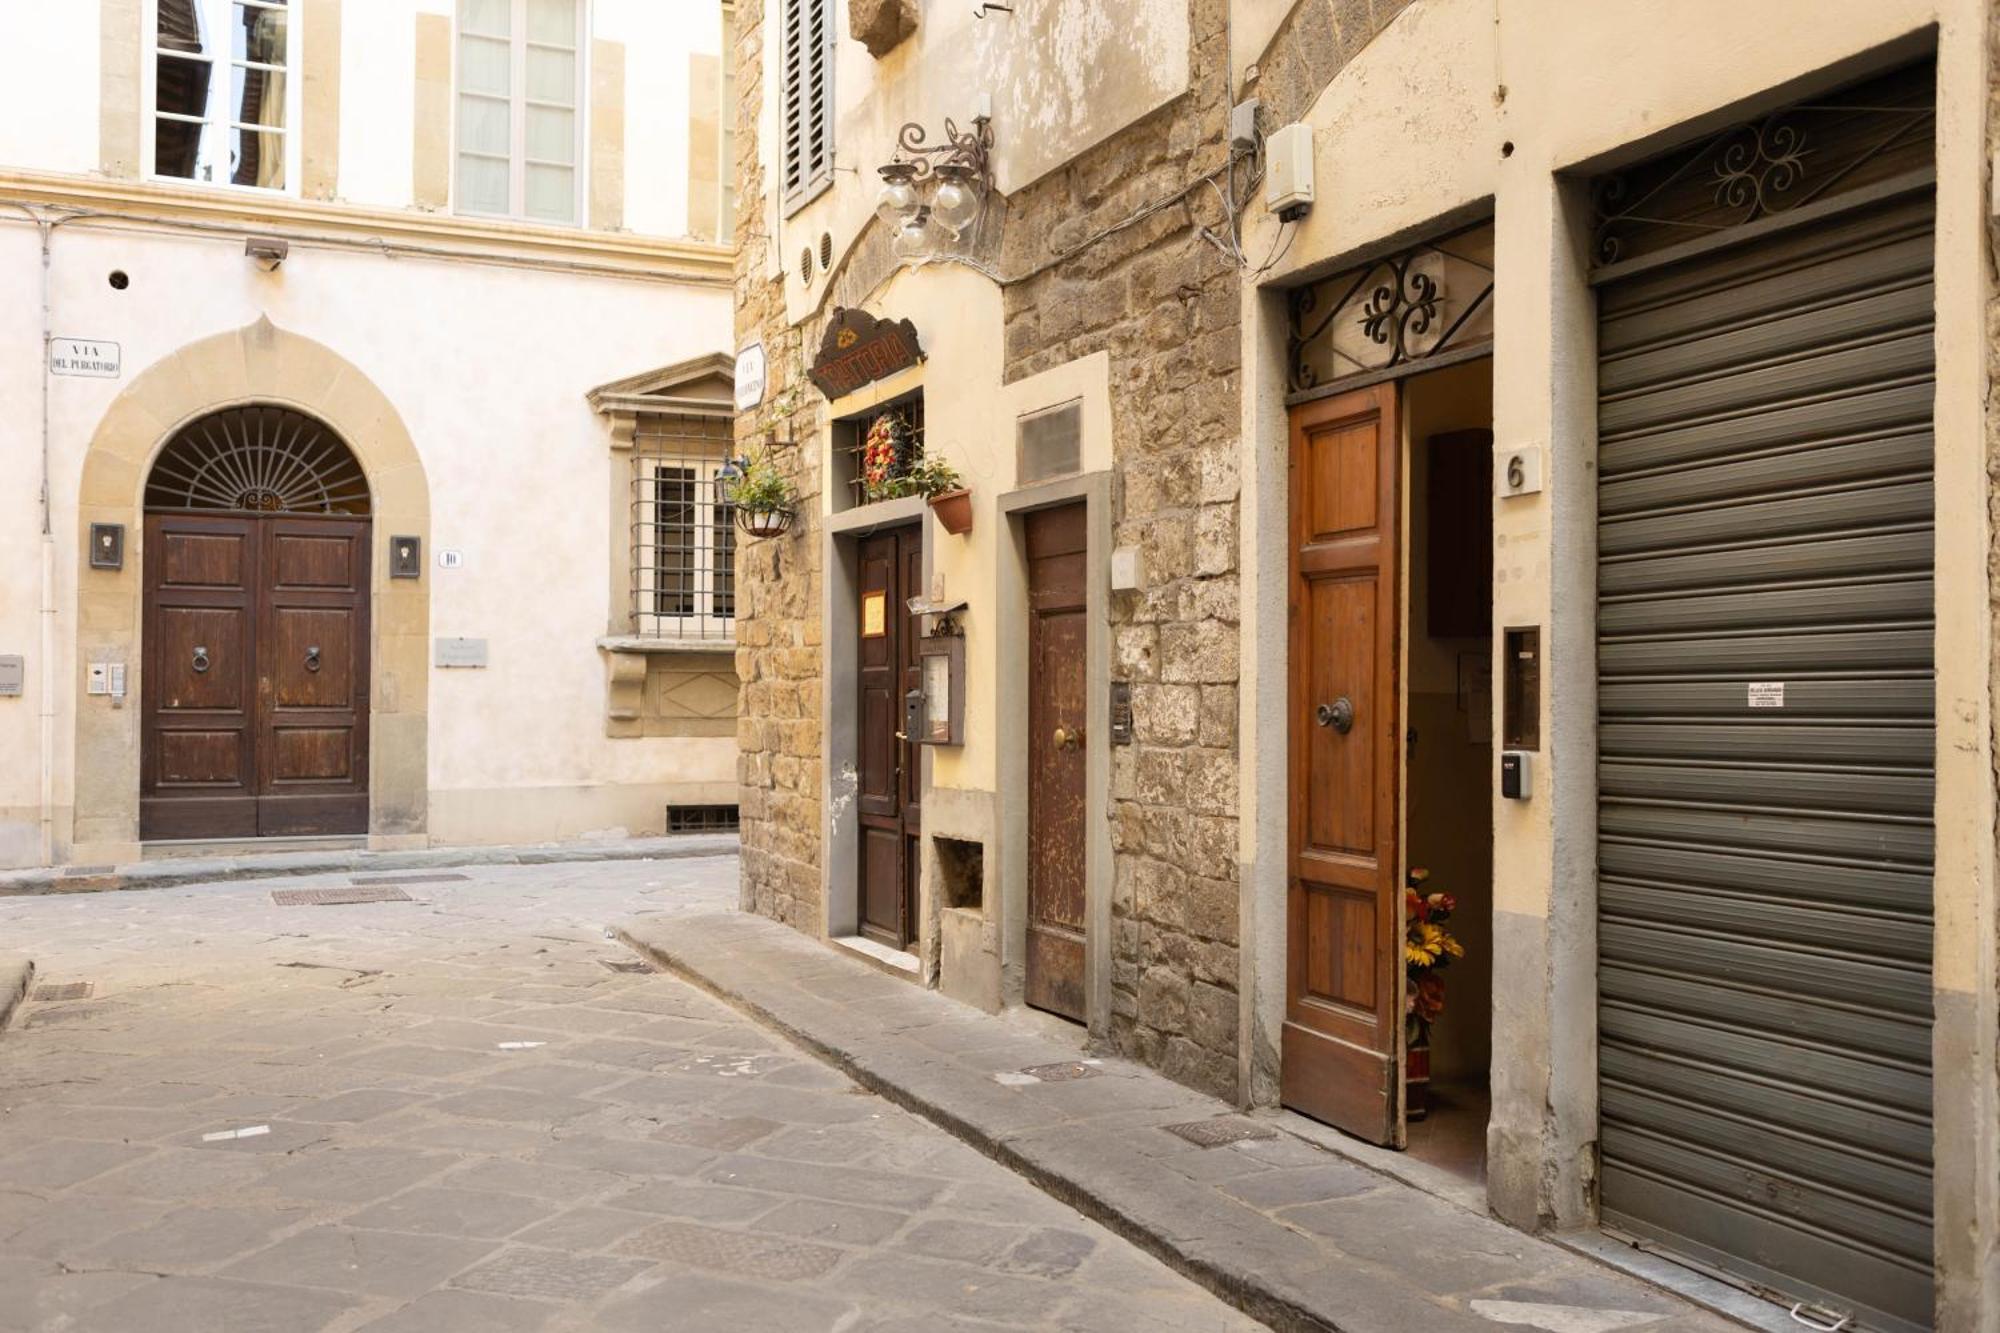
{"x": 461, "y": 653}
{"x": 749, "y": 377}
{"x": 84, "y": 356}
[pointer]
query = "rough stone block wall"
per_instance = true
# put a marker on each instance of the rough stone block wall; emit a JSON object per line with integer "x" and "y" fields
{"x": 777, "y": 579}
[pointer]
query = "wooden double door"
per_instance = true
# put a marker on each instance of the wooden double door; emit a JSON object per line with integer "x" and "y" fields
{"x": 891, "y": 781}
{"x": 254, "y": 693}
{"x": 1342, "y": 1041}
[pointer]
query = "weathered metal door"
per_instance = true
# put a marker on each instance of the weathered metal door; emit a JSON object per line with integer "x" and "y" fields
{"x": 255, "y": 682}
{"x": 1766, "y": 737}
{"x": 888, "y": 803}
{"x": 1343, "y": 1000}
{"x": 1057, "y": 634}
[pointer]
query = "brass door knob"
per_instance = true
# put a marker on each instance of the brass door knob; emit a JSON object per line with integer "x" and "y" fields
{"x": 1065, "y": 739}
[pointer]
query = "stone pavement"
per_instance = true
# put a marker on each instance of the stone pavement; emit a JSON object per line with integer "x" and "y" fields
{"x": 171, "y": 871}
{"x": 1298, "y": 1236}
{"x": 457, "y": 1112}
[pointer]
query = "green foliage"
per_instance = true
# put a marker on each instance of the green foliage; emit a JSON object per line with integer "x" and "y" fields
{"x": 761, "y": 488}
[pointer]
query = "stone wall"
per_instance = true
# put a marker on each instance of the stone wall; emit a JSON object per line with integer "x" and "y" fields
{"x": 778, "y": 579}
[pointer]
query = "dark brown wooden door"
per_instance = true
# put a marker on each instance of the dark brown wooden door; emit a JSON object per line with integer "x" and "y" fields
{"x": 254, "y": 693}
{"x": 890, "y": 781}
{"x": 1057, "y": 573}
{"x": 1343, "y": 1001}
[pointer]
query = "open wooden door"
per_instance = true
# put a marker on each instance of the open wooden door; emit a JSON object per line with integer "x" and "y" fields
{"x": 1344, "y": 996}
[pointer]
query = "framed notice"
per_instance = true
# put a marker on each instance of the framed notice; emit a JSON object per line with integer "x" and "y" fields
{"x": 874, "y": 614}
{"x": 941, "y": 680}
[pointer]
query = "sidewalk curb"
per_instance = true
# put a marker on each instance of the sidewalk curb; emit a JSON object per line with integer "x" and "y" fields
{"x": 1241, "y": 1285}
{"x": 169, "y": 873}
{"x": 15, "y": 974}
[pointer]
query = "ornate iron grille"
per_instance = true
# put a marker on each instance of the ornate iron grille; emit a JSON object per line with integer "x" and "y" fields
{"x": 1862, "y": 135}
{"x": 1433, "y": 299}
{"x": 683, "y": 529}
{"x": 900, "y": 439}
{"x": 267, "y": 460}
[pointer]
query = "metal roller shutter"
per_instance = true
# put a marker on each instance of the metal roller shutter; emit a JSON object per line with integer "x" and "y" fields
{"x": 1764, "y": 858}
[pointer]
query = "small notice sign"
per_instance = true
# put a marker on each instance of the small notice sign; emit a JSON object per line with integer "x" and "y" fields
{"x": 461, "y": 653}
{"x": 91, "y": 357}
{"x": 874, "y": 615}
{"x": 1767, "y": 694}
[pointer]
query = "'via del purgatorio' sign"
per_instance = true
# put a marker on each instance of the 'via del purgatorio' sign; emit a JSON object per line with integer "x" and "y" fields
{"x": 859, "y": 349}
{"x": 84, "y": 356}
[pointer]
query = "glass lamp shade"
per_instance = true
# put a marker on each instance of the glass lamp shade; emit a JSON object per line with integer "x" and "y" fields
{"x": 899, "y": 198}
{"x": 914, "y": 238}
{"x": 957, "y": 201}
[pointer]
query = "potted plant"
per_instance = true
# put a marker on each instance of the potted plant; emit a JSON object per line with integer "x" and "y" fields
{"x": 1428, "y": 949}
{"x": 938, "y": 481}
{"x": 763, "y": 497}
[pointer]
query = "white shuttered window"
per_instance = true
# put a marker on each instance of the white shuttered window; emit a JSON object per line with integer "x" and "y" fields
{"x": 520, "y": 127}
{"x": 808, "y": 99}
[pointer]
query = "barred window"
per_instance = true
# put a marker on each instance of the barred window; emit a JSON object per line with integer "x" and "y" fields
{"x": 683, "y": 530}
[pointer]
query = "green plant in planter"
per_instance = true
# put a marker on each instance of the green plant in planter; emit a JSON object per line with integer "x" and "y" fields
{"x": 759, "y": 488}
{"x": 931, "y": 476}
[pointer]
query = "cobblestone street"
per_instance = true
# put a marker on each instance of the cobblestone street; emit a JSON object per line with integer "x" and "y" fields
{"x": 457, "y": 1112}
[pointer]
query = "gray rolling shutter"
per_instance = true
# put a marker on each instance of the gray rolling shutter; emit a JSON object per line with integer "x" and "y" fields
{"x": 1765, "y": 871}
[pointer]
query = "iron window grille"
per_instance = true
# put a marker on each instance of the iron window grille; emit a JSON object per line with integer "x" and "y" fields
{"x": 683, "y": 529}
{"x": 851, "y": 445}
{"x": 701, "y": 819}
{"x": 1431, "y": 302}
{"x": 258, "y": 459}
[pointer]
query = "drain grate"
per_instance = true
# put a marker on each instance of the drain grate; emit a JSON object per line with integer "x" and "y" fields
{"x": 68, "y": 990}
{"x": 625, "y": 965}
{"x": 411, "y": 879}
{"x": 336, "y": 897}
{"x": 1222, "y": 1130}
{"x": 1063, "y": 1071}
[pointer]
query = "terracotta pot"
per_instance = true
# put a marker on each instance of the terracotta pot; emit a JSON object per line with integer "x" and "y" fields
{"x": 765, "y": 522}
{"x": 954, "y": 510}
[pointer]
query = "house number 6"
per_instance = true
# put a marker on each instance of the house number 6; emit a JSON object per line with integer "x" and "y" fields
{"x": 1517, "y": 476}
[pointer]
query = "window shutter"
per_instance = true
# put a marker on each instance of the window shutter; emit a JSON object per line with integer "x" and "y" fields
{"x": 808, "y": 96}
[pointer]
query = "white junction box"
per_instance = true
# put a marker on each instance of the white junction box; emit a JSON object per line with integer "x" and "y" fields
{"x": 1288, "y": 170}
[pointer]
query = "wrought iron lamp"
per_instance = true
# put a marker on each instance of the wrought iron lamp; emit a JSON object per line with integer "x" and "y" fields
{"x": 933, "y": 193}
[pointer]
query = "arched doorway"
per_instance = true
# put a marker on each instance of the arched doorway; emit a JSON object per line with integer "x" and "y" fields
{"x": 254, "y": 689}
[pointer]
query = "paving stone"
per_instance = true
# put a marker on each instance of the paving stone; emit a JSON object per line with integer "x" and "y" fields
{"x": 463, "y": 1312}
{"x": 701, "y": 1301}
{"x": 535, "y": 1179}
{"x": 180, "y": 1173}
{"x": 551, "y": 1275}
{"x": 1309, "y": 1184}
{"x": 378, "y": 1263}
{"x": 429, "y": 1061}
{"x": 1049, "y": 1252}
{"x": 210, "y": 1305}
{"x": 959, "y": 1289}
{"x": 967, "y": 1242}
{"x": 585, "y": 1229}
{"x": 731, "y": 1251}
{"x": 353, "y": 1175}
{"x": 723, "y": 1133}
{"x": 509, "y": 1105}
{"x": 60, "y": 1228}
{"x": 63, "y": 1162}
{"x": 885, "y": 1188}
{"x": 41, "y": 1294}
{"x": 625, "y": 1156}
{"x": 818, "y": 1219}
{"x": 703, "y": 1203}
{"x": 350, "y": 1107}
{"x": 195, "y": 1238}
{"x": 453, "y": 1212}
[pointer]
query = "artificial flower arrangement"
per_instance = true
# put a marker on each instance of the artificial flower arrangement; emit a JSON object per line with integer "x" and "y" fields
{"x": 1428, "y": 949}
{"x": 885, "y": 457}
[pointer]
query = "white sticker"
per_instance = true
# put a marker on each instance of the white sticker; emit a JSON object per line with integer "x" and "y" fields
{"x": 519, "y": 1045}
{"x": 1767, "y": 694}
{"x": 248, "y": 1132}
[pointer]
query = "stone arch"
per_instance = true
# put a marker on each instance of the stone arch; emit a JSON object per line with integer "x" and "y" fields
{"x": 259, "y": 363}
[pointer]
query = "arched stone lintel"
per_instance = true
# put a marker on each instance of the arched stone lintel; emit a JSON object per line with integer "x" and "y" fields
{"x": 259, "y": 363}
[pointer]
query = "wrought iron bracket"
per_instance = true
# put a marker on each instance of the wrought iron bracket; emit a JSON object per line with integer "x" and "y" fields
{"x": 971, "y": 149}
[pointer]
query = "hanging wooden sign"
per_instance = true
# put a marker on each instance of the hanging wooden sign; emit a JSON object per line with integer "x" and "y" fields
{"x": 859, "y": 349}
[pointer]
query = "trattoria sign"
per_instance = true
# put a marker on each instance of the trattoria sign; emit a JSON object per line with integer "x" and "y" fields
{"x": 859, "y": 349}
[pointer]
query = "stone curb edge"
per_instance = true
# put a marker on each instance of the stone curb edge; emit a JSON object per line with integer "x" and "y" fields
{"x": 15, "y": 974}
{"x": 40, "y": 883}
{"x": 1240, "y": 1286}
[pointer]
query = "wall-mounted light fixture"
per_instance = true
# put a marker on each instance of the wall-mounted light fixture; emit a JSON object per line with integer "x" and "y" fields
{"x": 932, "y": 193}
{"x": 268, "y": 251}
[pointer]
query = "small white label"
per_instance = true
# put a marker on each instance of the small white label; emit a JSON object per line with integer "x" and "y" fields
{"x": 1767, "y": 694}
{"x": 450, "y": 559}
{"x": 461, "y": 653}
{"x": 248, "y": 1132}
{"x": 519, "y": 1045}
{"x": 84, "y": 356}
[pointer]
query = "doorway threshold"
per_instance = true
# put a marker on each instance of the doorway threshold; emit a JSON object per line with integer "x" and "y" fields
{"x": 896, "y": 962}
{"x": 161, "y": 849}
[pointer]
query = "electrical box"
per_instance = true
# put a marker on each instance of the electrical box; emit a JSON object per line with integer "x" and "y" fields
{"x": 1516, "y": 774}
{"x": 1243, "y": 126}
{"x": 1521, "y": 689}
{"x": 107, "y": 678}
{"x": 1288, "y": 171}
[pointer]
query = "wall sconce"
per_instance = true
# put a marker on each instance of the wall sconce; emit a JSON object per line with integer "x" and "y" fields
{"x": 932, "y": 203}
{"x": 268, "y": 251}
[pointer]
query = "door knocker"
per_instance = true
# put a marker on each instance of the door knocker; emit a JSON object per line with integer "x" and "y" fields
{"x": 1339, "y": 715}
{"x": 200, "y": 659}
{"x": 312, "y": 658}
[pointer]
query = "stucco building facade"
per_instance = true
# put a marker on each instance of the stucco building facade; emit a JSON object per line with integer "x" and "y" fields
{"x": 1580, "y": 493}
{"x": 366, "y": 488}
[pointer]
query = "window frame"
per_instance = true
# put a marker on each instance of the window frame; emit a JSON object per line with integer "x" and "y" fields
{"x": 814, "y": 180}
{"x": 703, "y": 622}
{"x": 149, "y": 90}
{"x": 517, "y": 119}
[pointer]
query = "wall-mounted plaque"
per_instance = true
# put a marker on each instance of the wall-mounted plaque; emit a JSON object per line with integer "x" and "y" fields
{"x": 461, "y": 653}
{"x": 859, "y": 349}
{"x": 874, "y": 614}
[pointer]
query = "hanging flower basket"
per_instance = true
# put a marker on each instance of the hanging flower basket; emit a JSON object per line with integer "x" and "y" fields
{"x": 954, "y": 510}
{"x": 765, "y": 522}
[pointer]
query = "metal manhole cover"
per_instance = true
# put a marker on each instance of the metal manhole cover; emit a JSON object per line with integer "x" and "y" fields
{"x": 336, "y": 897}
{"x": 411, "y": 879}
{"x": 732, "y": 1251}
{"x": 625, "y": 965}
{"x": 1223, "y": 1129}
{"x": 1062, "y": 1072}
{"x": 68, "y": 990}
